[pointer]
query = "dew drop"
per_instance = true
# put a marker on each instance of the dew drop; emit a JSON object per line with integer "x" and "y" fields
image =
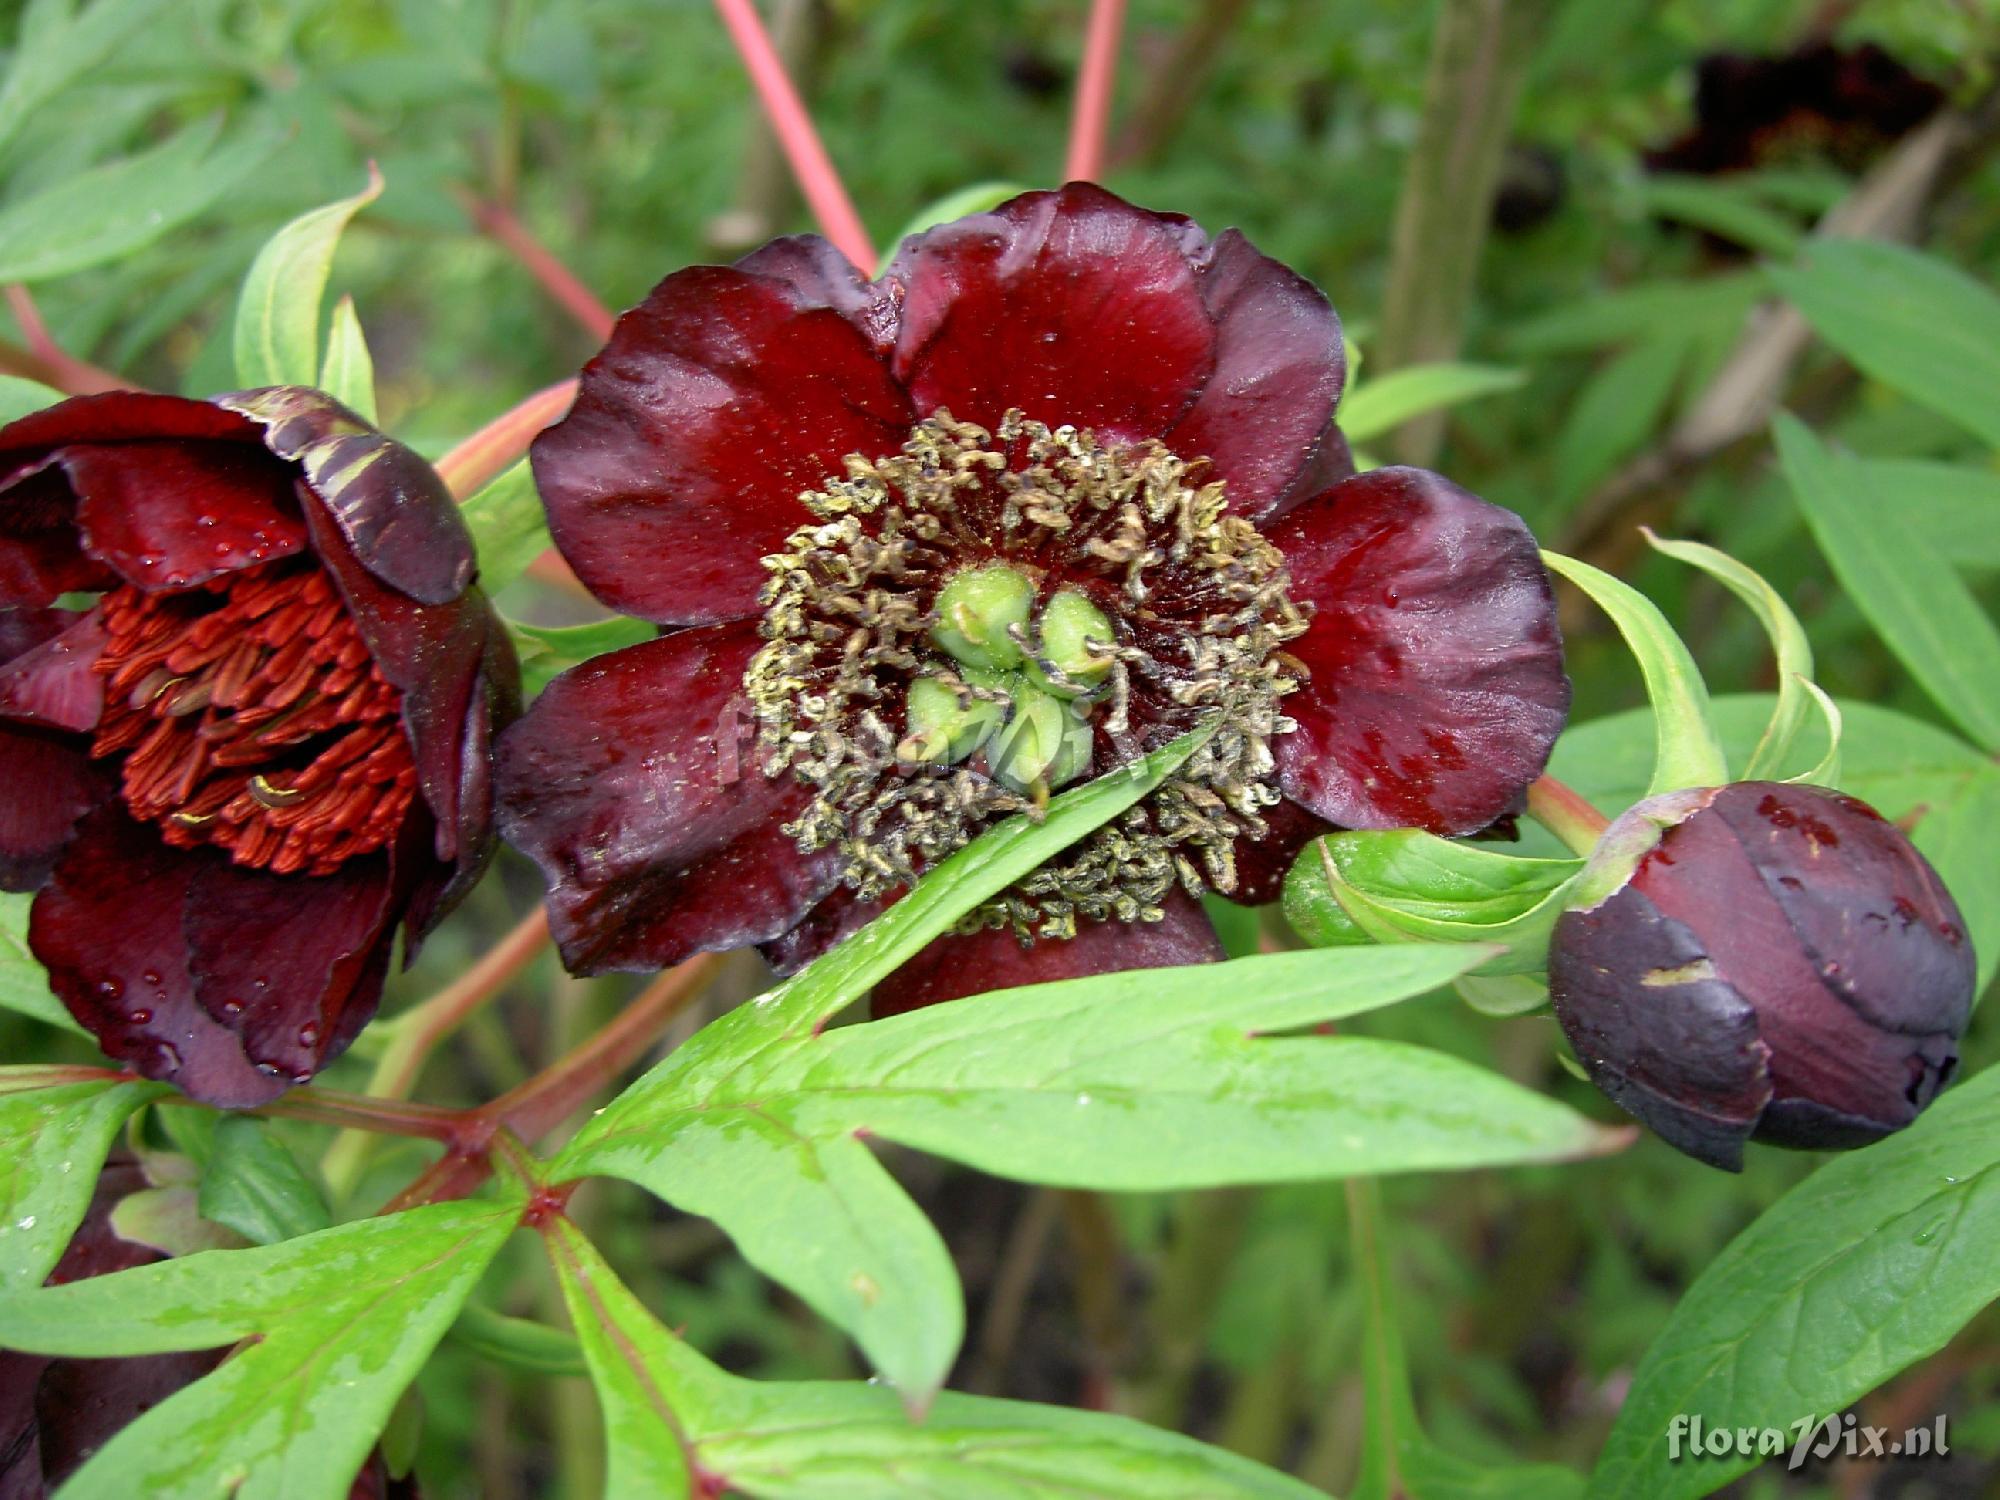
{"x": 26, "y": 1223}
{"x": 139, "y": 1017}
{"x": 170, "y": 1057}
{"x": 151, "y": 976}
{"x": 232, "y": 1007}
{"x": 111, "y": 989}
{"x": 308, "y": 1035}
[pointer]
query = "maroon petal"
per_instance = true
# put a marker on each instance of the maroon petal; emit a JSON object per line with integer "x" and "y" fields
{"x": 1437, "y": 683}
{"x": 835, "y": 919}
{"x": 170, "y": 514}
{"x": 1279, "y": 367}
{"x": 53, "y": 682}
{"x": 1074, "y": 306}
{"x": 108, "y": 927}
{"x": 822, "y": 277}
{"x": 1262, "y": 864}
{"x": 116, "y": 417}
{"x": 633, "y": 783}
{"x": 718, "y": 400}
{"x": 434, "y": 655}
{"x": 961, "y": 964}
{"x": 49, "y": 785}
{"x": 40, "y": 559}
{"x": 390, "y": 507}
{"x": 276, "y": 958}
{"x": 1330, "y": 461}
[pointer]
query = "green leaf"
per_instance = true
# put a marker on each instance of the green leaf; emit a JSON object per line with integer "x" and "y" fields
{"x": 1723, "y": 210}
{"x": 339, "y": 1323}
{"x": 1659, "y": 310}
{"x": 1955, "y": 506}
{"x": 114, "y": 209}
{"x": 1788, "y": 643}
{"x": 53, "y": 1141}
{"x": 1924, "y": 611}
{"x": 1385, "y": 403}
{"x": 58, "y": 46}
{"x": 24, "y": 983}
{"x": 253, "y": 1184}
{"x": 1687, "y": 753}
{"x": 1910, "y": 320}
{"x": 1869, "y": 1265}
{"x": 546, "y": 650}
{"x": 1398, "y": 1461}
{"x": 1403, "y": 885}
{"x": 508, "y": 526}
{"x": 1615, "y": 412}
{"x": 278, "y": 312}
{"x": 872, "y": 1264}
{"x": 955, "y": 205}
{"x": 518, "y": 1343}
{"x": 1131, "y": 1081}
{"x": 669, "y": 1413}
{"x": 1913, "y": 772}
{"x": 348, "y": 373}
{"x": 18, "y": 397}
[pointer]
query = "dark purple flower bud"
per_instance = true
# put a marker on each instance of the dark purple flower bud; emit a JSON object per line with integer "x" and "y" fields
{"x": 1779, "y": 963}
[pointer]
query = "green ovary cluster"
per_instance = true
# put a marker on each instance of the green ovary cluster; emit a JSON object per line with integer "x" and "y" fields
{"x": 1018, "y": 690}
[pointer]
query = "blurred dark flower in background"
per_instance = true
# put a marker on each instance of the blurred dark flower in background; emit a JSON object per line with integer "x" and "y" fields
{"x": 264, "y": 742}
{"x": 1840, "y": 104}
{"x": 1781, "y": 964}
{"x": 1060, "y": 486}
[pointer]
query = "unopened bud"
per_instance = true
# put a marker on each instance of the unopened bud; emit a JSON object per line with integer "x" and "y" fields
{"x": 1766, "y": 960}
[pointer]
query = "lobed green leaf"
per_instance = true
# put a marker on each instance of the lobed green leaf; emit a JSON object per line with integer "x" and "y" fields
{"x": 24, "y": 983}
{"x": 508, "y": 525}
{"x": 278, "y": 311}
{"x": 1386, "y": 402}
{"x": 53, "y": 1141}
{"x": 348, "y": 372}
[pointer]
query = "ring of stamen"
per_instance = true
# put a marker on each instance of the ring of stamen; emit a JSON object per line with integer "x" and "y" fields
{"x": 248, "y": 713}
{"x": 1197, "y": 601}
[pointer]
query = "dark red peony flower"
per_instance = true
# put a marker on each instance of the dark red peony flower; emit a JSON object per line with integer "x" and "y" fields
{"x": 261, "y": 746}
{"x": 1061, "y": 484}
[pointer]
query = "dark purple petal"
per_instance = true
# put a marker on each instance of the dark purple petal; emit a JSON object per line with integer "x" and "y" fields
{"x": 719, "y": 399}
{"x": 1262, "y": 864}
{"x": 390, "y": 507}
{"x": 167, "y": 514}
{"x": 40, "y": 558}
{"x": 1279, "y": 366}
{"x": 961, "y": 964}
{"x": 1437, "y": 684}
{"x": 835, "y": 919}
{"x": 281, "y": 959}
{"x": 108, "y": 927}
{"x": 434, "y": 655}
{"x": 49, "y": 784}
{"x": 821, "y": 276}
{"x": 1074, "y": 306}
{"x": 82, "y": 1404}
{"x": 1330, "y": 461}
{"x": 633, "y": 782}
{"x": 1685, "y": 1057}
{"x": 116, "y": 417}
{"x": 52, "y": 682}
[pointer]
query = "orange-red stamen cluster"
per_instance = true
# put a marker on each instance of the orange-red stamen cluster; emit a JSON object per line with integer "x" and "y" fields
{"x": 250, "y": 715}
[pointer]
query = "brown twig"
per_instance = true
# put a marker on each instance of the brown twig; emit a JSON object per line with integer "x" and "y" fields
{"x": 1173, "y": 83}
{"x": 503, "y": 226}
{"x": 47, "y": 361}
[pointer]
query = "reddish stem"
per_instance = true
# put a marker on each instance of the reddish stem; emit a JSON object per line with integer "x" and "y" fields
{"x": 1565, "y": 813}
{"x": 47, "y": 361}
{"x": 504, "y": 227}
{"x": 429, "y": 1023}
{"x": 360, "y": 1112}
{"x": 1091, "y": 119}
{"x": 793, "y": 127}
{"x": 558, "y": 1091}
{"x": 474, "y": 463}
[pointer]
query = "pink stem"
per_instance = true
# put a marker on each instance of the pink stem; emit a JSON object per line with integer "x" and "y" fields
{"x": 1092, "y": 118}
{"x": 794, "y": 130}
